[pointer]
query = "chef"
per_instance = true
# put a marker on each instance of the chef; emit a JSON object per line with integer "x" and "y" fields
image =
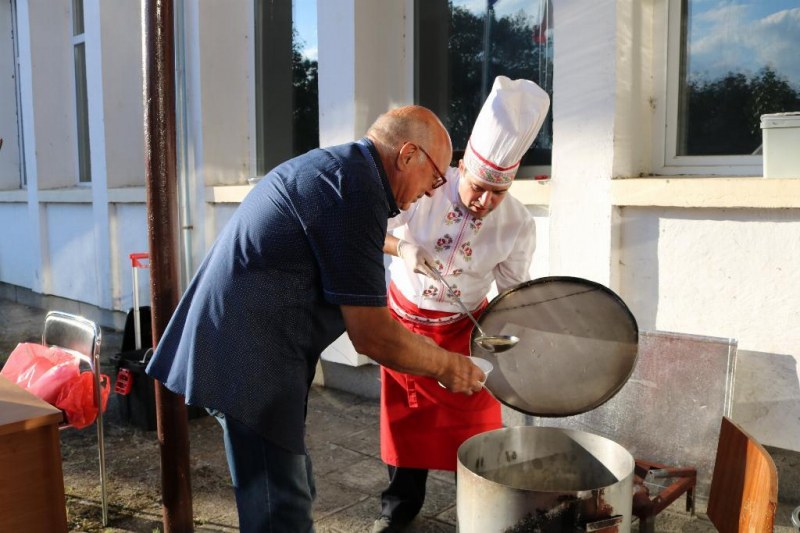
{"x": 474, "y": 233}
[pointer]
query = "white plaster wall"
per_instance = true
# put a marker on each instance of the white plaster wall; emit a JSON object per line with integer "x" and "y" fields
{"x": 72, "y": 257}
{"x": 365, "y": 56}
{"x": 725, "y": 273}
{"x": 225, "y": 35}
{"x": 15, "y": 246}
{"x": 121, "y": 42}
{"x": 380, "y": 48}
{"x": 335, "y": 34}
{"x": 128, "y": 235}
{"x": 634, "y": 107}
{"x": 540, "y": 265}
{"x": 583, "y": 107}
{"x": 52, "y": 93}
{"x": 218, "y": 215}
{"x": 364, "y": 64}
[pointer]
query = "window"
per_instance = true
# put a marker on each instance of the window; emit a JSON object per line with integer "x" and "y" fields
{"x": 23, "y": 180}
{"x": 455, "y": 68}
{"x": 81, "y": 101}
{"x": 728, "y": 63}
{"x": 287, "y": 108}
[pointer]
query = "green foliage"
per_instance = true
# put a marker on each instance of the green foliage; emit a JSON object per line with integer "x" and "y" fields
{"x": 305, "y": 92}
{"x": 723, "y": 116}
{"x": 512, "y": 52}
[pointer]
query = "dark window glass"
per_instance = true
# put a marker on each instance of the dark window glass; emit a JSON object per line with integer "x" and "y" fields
{"x": 77, "y": 17}
{"x": 287, "y": 111}
{"x": 460, "y": 49}
{"x": 738, "y": 61}
{"x": 82, "y": 115}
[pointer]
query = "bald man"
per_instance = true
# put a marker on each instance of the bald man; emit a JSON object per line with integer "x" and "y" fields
{"x": 300, "y": 261}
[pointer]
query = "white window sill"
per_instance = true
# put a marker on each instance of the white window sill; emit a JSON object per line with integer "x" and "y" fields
{"x": 684, "y": 191}
{"x": 127, "y": 195}
{"x": 14, "y": 196}
{"x": 227, "y": 194}
{"x": 679, "y": 191}
{"x": 710, "y": 192}
{"x": 70, "y": 195}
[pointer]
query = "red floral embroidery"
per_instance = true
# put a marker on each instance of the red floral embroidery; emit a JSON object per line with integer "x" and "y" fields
{"x": 456, "y": 291}
{"x": 431, "y": 292}
{"x": 443, "y": 243}
{"x": 454, "y": 216}
{"x": 466, "y": 251}
{"x": 457, "y": 272}
{"x": 476, "y": 224}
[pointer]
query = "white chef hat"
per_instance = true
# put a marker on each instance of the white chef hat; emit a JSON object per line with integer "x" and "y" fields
{"x": 505, "y": 128}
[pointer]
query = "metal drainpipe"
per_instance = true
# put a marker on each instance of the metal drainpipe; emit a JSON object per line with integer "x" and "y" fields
{"x": 158, "y": 57}
{"x": 183, "y": 141}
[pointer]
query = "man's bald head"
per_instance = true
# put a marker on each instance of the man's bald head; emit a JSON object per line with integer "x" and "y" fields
{"x": 406, "y": 138}
{"x": 411, "y": 123}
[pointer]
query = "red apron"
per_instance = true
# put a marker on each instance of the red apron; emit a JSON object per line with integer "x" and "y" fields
{"x": 422, "y": 423}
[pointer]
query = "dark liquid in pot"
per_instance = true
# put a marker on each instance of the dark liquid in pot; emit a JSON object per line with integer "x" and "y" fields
{"x": 558, "y": 472}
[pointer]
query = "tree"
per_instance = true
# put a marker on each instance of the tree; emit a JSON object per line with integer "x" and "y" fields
{"x": 305, "y": 93}
{"x": 723, "y": 116}
{"x": 513, "y": 52}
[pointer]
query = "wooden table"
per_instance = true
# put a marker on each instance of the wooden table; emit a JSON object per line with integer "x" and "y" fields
{"x": 31, "y": 478}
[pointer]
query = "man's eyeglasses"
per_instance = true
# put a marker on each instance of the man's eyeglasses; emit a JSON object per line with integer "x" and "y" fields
{"x": 439, "y": 178}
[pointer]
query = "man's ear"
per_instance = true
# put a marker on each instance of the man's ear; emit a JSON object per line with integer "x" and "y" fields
{"x": 405, "y": 155}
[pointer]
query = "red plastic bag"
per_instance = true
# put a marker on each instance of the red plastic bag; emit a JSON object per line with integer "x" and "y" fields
{"x": 41, "y": 370}
{"x": 76, "y": 399}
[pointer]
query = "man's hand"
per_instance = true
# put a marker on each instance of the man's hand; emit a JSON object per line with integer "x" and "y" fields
{"x": 462, "y": 376}
{"x": 376, "y": 334}
{"x": 416, "y": 258}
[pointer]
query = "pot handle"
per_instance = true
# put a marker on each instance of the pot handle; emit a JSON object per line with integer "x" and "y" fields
{"x": 604, "y": 523}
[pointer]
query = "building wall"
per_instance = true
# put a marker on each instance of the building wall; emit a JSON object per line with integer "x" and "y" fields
{"x": 711, "y": 256}
{"x": 15, "y": 242}
{"x": 725, "y": 273}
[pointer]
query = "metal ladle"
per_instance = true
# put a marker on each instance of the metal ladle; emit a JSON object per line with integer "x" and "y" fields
{"x": 490, "y": 343}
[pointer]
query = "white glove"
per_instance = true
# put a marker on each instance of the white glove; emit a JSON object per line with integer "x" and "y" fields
{"x": 416, "y": 258}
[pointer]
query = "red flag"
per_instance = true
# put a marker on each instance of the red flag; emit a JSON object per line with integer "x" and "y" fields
{"x": 545, "y": 22}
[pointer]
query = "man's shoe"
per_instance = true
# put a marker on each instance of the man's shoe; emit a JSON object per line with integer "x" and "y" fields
{"x": 384, "y": 525}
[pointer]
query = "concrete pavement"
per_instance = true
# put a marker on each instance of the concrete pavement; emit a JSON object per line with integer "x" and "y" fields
{"x": 343, "y": 441}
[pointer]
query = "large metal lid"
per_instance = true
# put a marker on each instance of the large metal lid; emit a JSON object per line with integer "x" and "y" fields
{"x": 578, "y": 346}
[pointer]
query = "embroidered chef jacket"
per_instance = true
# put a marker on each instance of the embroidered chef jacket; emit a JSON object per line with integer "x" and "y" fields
{"x": 469, "y": 252}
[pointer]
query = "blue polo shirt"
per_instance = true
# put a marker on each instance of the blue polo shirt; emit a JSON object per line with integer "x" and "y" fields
{"x": 248, "y": 332}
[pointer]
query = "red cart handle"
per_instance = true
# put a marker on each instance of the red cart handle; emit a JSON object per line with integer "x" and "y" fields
{"x": 136, "y": 260}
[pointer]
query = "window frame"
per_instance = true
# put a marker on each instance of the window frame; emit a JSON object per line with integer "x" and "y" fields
{"x": 668, "y": 51}
{"x": 23, "y": 173}
{"x": 83, "y": 149}
{"x": 526, "y": 172}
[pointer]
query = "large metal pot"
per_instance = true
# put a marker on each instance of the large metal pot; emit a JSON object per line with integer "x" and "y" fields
{"x": 578, "y": 346}
{"x": 540, "y": 479}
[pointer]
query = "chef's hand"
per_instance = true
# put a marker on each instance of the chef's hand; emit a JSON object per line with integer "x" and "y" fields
{"x": 462, "y": 376}
{"x": 416, "y": 258}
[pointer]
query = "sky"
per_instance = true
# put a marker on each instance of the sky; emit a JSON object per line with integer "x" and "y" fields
{"x": 745, "y": 36}
{"x": 726, "y": 35}
{"x": 304, "y": 14}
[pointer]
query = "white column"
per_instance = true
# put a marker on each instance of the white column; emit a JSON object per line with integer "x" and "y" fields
{"x": 97, "y": 141}
{"x": 38, "y": 246}
{"x": 584, "y": 89}
{"x": 365, "y": 64}
{"x": 365, "y": 68}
